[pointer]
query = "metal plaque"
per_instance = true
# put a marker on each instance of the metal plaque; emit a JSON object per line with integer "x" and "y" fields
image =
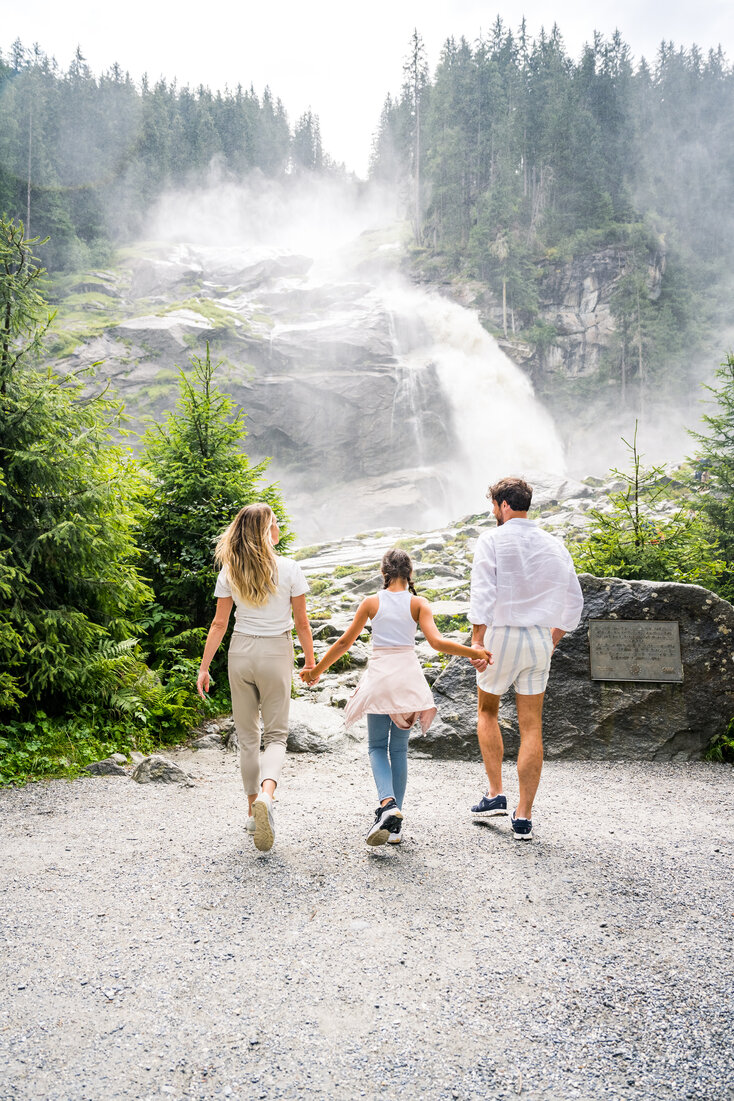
{"x": 635, "y": 649}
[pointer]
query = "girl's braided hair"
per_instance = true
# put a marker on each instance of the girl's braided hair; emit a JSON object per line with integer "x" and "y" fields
{"x": 396, "y": 564}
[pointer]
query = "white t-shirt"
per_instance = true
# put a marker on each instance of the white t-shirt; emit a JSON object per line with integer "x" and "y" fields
{"x": 274, "y": 616}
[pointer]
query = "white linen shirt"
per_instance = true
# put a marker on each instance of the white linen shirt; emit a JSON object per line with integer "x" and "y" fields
{"x": 274, "y": 616}
{"x": 524, "y": 577}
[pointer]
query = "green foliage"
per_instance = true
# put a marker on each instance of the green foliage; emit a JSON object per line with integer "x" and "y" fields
{"x": 636, "y": 539}
{"x": 198, "y": 478}
{"x": 722, "y": 748}
{"x": 716, "y": 469}
{"x": 98, "y": 148}
{"x": 527, "y": 158}
{"x": 41, "y": 745}
{"x": 69, "y": 582}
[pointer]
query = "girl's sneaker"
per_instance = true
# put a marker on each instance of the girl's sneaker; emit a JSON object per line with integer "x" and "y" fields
{"x": 387, "y": 818}
{"x": 395, "y": 836}
{"x": 250, "y": 824}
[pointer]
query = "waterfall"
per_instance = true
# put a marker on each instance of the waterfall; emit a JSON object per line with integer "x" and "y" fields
{"x": 499, "y": 427}
{"x": 380, "y": 402}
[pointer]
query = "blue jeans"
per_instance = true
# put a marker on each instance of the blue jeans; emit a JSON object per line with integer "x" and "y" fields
{"x": 388, "y": 749}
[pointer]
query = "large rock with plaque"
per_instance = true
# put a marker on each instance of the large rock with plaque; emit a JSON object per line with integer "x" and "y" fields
{"x": 656, "y": 683}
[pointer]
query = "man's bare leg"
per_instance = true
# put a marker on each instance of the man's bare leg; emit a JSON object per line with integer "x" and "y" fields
{"x": 490, "y": 739}
{"x": 530, "y": 757}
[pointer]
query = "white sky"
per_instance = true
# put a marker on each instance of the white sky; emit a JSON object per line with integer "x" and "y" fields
{"x": 338, "y": 58}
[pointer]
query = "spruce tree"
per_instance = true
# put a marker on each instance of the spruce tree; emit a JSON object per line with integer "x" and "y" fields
{"x": 198, "y": 479}
{"x": 715, "y": 469}
{"x": 70, "y": 592}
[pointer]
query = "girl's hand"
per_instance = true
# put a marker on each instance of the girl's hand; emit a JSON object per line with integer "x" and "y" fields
{"x": 203, "y": 681}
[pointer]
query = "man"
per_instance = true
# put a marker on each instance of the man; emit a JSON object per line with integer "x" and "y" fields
{"x": 525, "y": 596}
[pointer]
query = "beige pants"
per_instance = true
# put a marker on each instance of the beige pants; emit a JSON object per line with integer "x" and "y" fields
{"x": 260, "y": 677}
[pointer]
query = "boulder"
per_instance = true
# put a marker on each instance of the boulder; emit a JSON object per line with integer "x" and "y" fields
{"x": 160, "y": 770}
{"x": 312, "y": 728}
{"x": 602, "y": 720}
{"x": 208, "y": 741}
{"x": 212, "y": 734}
{"x": 107, "y": 767}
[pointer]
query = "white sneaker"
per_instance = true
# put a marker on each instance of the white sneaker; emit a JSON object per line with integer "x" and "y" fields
{"x": 262, "y": 812}
{"x": 250, "y": 824}
{"x": 395, "y": 836}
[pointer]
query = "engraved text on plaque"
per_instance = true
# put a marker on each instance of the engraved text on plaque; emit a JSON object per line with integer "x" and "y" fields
{"x": 635, "y": 649}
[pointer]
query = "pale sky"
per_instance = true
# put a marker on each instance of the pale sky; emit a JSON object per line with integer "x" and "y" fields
{"x": 338, "y": 58}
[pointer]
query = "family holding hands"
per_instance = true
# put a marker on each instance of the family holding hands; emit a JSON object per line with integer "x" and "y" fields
{"x": 525, "y": 596}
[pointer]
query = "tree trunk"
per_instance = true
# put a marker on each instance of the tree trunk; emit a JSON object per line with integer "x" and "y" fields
{"x": 28, "y": 194}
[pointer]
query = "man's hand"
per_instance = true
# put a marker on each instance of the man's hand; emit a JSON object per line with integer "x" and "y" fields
{"x": 479, "y": 630}
{"x": 480, "y": 662}
{"x": 308, "y": 676}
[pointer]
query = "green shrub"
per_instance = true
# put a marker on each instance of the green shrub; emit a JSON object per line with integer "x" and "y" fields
{"x": 635, "y": 540}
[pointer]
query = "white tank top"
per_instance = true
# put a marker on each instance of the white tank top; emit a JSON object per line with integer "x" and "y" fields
{"x": 393, "y": 625}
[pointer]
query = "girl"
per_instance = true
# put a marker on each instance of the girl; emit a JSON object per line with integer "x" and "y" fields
{"x": 269, "y": 593}
{"x": 393, "y": 692}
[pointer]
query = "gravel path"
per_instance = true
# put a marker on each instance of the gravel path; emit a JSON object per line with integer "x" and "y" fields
{"x": 148, "y": 950}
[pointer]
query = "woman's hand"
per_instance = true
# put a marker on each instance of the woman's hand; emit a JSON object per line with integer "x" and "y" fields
{"x": 308, "y": 675}
{"x": 203, "y": 681}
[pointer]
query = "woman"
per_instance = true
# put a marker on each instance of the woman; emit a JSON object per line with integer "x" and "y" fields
{"x": 269, "y": 593}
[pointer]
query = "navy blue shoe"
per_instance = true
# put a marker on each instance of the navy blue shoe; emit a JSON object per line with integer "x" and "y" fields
{"x": 522, "y": 828}
{"x": 490, "y": 807}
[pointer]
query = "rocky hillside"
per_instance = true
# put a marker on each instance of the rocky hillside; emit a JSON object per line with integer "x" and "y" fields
{"x": 372, "y": 397}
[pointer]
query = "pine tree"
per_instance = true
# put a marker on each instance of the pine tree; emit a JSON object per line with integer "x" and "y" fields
{"x": 199, "y": 478}
{"x": 69, "y": 587}
{"x": 715, "y": 468}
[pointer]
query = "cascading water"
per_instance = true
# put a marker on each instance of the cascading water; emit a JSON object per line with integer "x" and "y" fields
{"x": 380, "y": 403}
{"x": 499, "y": 427}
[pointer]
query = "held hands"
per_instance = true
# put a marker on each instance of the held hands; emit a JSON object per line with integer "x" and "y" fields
{"x": 483, "y": 658}
{"x": 308, "y": 675}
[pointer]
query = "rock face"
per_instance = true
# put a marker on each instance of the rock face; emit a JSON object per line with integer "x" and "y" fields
{"x": 598, "y": 720}
{"x": 575, "y": 300}
{"x": 325, "y": 367}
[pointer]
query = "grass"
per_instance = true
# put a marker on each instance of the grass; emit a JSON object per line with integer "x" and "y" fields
{"x": 304, "y": 552}
{"x": 220, "y": 319}
{"x": 348, "y": 571}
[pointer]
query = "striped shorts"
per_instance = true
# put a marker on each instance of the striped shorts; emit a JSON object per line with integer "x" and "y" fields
{"x": 522, "y": 657}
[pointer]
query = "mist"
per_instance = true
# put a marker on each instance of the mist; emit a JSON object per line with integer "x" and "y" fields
{"x": 455, "y": 413}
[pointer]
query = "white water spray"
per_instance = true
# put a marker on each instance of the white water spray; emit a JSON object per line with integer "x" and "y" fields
{"x": 499, "y": 426}
{"x": 462, "y": 414}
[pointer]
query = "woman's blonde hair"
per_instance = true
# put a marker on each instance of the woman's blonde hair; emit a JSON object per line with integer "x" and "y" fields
{"x": 245, "y": 550}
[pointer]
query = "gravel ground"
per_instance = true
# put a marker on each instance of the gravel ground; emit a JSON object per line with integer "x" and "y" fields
{"x": 148, "y": 950}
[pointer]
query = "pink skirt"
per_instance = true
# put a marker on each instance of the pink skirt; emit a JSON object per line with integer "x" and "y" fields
{"x": 393, "y": 684}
